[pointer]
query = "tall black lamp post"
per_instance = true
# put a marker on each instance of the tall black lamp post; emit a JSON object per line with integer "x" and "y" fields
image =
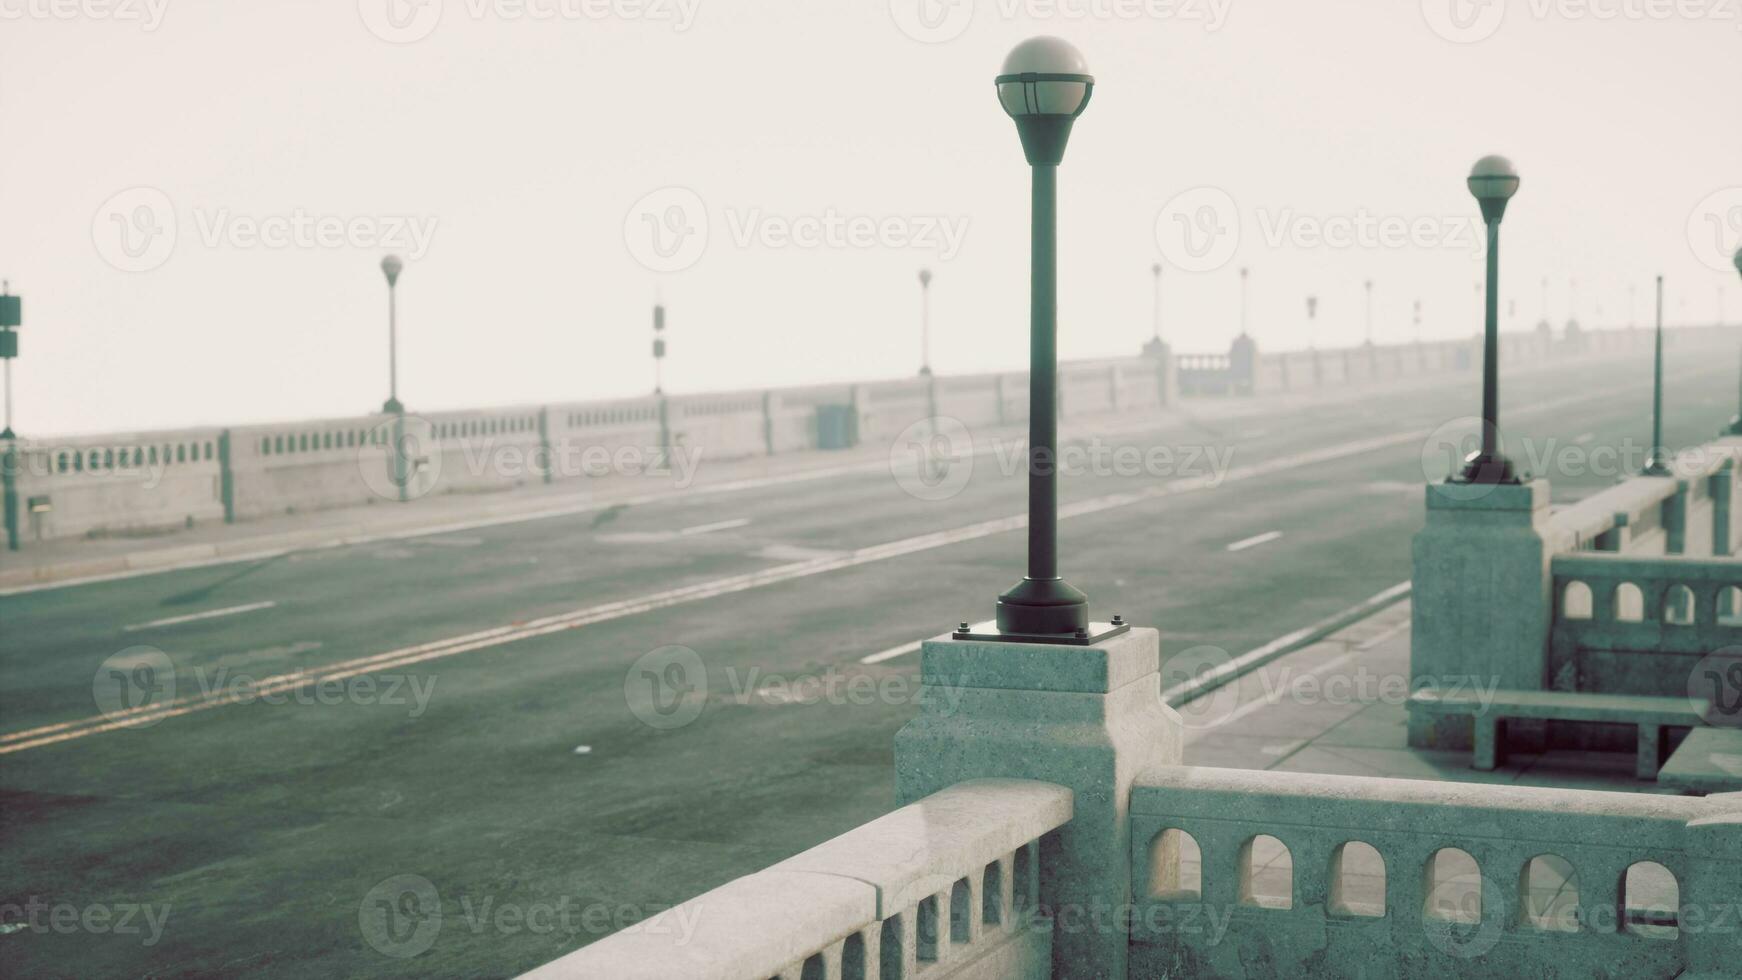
{"x": 1045, "y": 84}
{"x": 391, "y": 266}
{"x": 925, "y": 323}
{"x": 1655, "y": 464}
{"x": 1493, "y": 181}
{"x": 1736, "y": 423}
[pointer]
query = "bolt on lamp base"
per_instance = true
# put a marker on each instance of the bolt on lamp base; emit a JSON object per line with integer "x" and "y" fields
{"x": 1487, "y": 470}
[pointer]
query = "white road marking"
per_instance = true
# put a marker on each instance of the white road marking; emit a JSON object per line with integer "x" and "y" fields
{"x": 716, "y": 526}
{"x": 892, "y": 653}
{"x": 1255, "y": 540}
{"x": 1587, "y": 437}
{"x": 195, "y": 617}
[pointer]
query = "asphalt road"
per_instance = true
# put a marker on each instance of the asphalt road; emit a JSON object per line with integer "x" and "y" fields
{"x": 475, "y": 709}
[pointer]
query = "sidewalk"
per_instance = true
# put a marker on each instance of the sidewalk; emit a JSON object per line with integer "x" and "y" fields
{"x": 1336, "y": 706}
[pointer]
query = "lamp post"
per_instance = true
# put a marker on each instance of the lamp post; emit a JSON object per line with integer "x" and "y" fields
{"x": 1736, "y": 423}
{"x": 1418, "y": 321}
{"x": 1044, "y": 85}
{"x": 1655, "y": 464}
{"x": 391, "y": 266}
{"x": 925, "y": 323}
{"x": 658, "y": 347}
{"x": 1492, "y": 181}
{"x": 1369, "y": 287}
{"x": 1245, "y": 275}
{"x": 11, "y": 318}
{"x": 1155, "y": 270}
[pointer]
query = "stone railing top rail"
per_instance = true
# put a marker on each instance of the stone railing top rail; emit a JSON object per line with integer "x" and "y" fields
{"x": 761, "y": 924}
{"x": 1418, "y": 806}
{"x": 1607, "y": 566}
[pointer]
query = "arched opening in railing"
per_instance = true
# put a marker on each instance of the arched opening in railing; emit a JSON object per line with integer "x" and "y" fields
{"x": 853, "y": 965}
{"x": 1576, "y": 601}
{"x": 961, "y": 912}
{"x": 1548, "y": 894}
{"x": 1175, "y": 866}
{"x": 1266, "y": 873}
{"x": 1452, "y": 882}
{"x": 992, "y": 894}
{"x": 1678, "y": 606}
{"x": 926, "y": 941}
{"x": 1730, "y": 606}
{"x": 1650, "y": 901}
{"x": 1629, "y": 603}
{"x": 889, "y": 958}
{"x": 1357, "y": 880}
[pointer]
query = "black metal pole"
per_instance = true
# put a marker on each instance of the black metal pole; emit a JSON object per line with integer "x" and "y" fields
{"x": 1491, "y": 350}
{"x": 1654, "y": 464}
{"x": 1043, "y": 377}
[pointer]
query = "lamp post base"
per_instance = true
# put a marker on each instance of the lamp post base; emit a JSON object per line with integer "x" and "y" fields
{"x": 1089, "y": 635}
{"x": 1043, "y": 607}
{"x": 1655, "y": 466}
{"x": 1488, "y": 470}
{"x": 393, "y": 407}
{"x": 7, "y": 433}
{"x": 1735, "y": 428}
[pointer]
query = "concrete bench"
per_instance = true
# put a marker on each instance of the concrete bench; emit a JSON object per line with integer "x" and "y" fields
{"x": 1708, "y": 761}
{"x": 1650, "y": 714}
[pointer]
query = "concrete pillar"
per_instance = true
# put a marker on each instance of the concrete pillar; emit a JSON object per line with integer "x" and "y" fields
{"x": 1243, "y": 366}
{"x": 1675, "y": 520}
{"x": 226, "y": 478}
{"x": 1166, "y": 371}
{"x": 1721, "y": 496}
{"x": 546, "y": 457}
{"x": 1711, "y": 893}
{"x": 770, "y": 408}
{"x": 9, "y": 493}
{"x": 998, "y": 393}
{"x": 1086, "y": 717}
{"x": 1480, "y": 603}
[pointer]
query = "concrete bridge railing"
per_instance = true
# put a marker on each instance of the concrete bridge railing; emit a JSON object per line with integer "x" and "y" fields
{"x": 1316, "y": 875}
{"x": 149, "y": 482}
{"x": 944, "y": 888}
{"x": 1054, "y": 833}
{"x": 1493, "y": 569}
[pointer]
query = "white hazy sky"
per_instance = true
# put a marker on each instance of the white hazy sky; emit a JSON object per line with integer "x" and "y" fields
{"x": 529, "y": 141}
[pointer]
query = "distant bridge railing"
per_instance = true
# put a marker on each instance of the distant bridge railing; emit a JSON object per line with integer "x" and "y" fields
{"x": 944, "y": 887}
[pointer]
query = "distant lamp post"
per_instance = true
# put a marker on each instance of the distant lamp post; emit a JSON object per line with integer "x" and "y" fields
{"x": 391, "y": 266}
{"x": 1312, "y": 317}
{"x": 1369, "y": 288}
{"x": 1655, "y": 464}
{"x": 1045, "y": 84}
{"x": 1155, "y": 270}
{"x": 1493, "y": 181}
{"x": 1545, "y": 325}
{"x": 1736, "y": 423}
{"x": 1418, "y": 321}
{"x": 11, "y": 318}
{"x": 925, "y": 323}
{"x": 1245, "y": 276}
{"x": 658, "y": 347}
